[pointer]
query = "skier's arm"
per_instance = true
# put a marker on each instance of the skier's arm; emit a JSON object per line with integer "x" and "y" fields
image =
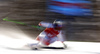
{"x": 46, "y": 24}
{"x": 60, "y": 36}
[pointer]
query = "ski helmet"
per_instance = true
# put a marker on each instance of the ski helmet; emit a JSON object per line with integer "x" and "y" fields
{"x": 58, "y": 23}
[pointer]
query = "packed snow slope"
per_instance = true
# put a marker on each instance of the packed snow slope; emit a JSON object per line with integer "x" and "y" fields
{"x": 73, "y": 47}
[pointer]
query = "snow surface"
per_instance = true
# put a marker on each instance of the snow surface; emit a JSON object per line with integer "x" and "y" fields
{"x": 73, "y": 47}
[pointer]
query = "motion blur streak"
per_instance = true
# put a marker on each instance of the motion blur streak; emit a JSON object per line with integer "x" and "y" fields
{"x": 11, "y": 35}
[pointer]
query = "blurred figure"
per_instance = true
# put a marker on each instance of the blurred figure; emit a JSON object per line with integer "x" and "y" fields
{"x": 52, "y": 33}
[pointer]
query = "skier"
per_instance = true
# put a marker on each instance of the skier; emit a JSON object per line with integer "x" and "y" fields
{"x": 52, "y": 33}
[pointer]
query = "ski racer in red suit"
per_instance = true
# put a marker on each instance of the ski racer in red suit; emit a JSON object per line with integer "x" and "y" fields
{"x": 52, "y": 33}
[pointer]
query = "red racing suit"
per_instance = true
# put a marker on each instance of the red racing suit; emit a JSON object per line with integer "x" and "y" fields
{"x": 49, "y": 35}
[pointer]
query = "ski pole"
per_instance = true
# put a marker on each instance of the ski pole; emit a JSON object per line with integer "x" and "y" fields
{"x": 5, "y": 19}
